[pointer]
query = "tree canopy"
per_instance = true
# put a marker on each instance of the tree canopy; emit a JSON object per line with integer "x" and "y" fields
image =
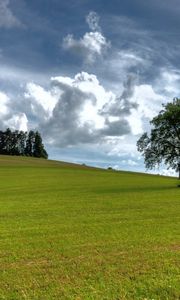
{"x": 162, "y": 145}
{"x": 22, "y": 143}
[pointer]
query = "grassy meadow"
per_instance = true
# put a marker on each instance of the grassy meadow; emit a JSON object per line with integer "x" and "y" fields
{"x": 73, "y": 232}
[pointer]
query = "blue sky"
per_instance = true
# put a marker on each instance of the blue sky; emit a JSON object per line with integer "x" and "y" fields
{"x": 89, "y": 75}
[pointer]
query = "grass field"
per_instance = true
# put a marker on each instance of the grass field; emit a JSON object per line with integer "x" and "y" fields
{"x": 72, "y": 232}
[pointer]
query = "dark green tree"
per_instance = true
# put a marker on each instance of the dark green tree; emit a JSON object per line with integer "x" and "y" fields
{"x": 163, "y": 143}
{"x": 29, "y": 149}
{"x": 2, "y": 142}
{"x": 15, "y": 141}
{"x": 8, "y": 140}
{"x": 22, "y": 143}
{"x": 22, "y": 136}
{"x": 39, "y": 150}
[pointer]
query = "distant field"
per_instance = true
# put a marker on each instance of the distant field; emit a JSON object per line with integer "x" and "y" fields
{"x": 72, "y": 232}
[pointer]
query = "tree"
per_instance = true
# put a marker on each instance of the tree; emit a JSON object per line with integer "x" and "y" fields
{"x": 39, "y": 150}
{"x": 163, "y": 143}
{"x": 22, "y": 143}
{"x": 29, "y": 149}
{"x": 22, "y": 136}
{"x": 8, "y": 141}
{"x": 2, "y": 143}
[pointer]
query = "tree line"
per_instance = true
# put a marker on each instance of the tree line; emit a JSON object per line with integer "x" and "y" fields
{"x": 22, "y": 143}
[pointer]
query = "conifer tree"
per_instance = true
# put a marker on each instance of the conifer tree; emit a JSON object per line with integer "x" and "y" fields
{"x": 30, "y": 143}
{"x": 39, "y": 150}
{"x": 22, "y": 143}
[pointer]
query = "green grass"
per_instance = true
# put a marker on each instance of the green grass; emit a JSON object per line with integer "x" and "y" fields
{"x": 73, "y": 232}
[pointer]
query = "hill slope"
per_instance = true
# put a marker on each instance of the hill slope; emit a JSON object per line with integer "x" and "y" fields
{"x": 73, "y": 232}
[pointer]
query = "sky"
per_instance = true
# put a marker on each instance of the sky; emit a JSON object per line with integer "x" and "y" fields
{"x": 88, "y": 74}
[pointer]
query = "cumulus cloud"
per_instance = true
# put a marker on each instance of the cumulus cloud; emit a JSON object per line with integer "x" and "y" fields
{"x": 7, "y": 18}
{"x": 65, "y": 127}
{"x": 15, "y": 120}
{"x": 18, "y": 121}
{"x": 69, "y": 112}
{"x": 90, "y": 46}
{"x": 123, "y": 110}
{"x": 148, "y": 103}
{"x": 80, "y": 110}
{"x": 4, "y": 99}
{"x": 116, "y": 128}
{"x": 75, "y": 118}
{"x": 93, "y": 44}
{"x": 40, "y": 98}
{"x": 148, "y": 100}
{"x": 122, "y": 105}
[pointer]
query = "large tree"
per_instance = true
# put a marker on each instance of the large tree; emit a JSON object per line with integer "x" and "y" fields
{"x": 162, "y": 145}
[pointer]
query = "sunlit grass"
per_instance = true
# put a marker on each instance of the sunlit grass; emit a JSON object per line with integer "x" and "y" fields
{"x": 71, "y": 232}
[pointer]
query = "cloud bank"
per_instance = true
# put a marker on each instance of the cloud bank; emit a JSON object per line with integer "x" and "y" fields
{"x": 80, "y": 110}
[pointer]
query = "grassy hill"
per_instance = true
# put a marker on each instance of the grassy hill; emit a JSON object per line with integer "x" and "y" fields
{"x": 73, "y": 232}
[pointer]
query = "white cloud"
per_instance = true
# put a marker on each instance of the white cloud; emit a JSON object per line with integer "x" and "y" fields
{"x": 161, "y": 170}
{"x": 122, "y": 147}
{"x": 75, "y": 118}
{"x": 3, "y": 103}
{"x": 93, "y": 21}
{"x": 95, "y": 96}
{"x": 69, "y": 112}
{"x": 135, "y": 121}
{"x": 127, "y": 59}
{"x": 149, "y": 102}
{"x": 18, "y": 121}
{"x": 80, "y": 110}
{"x": 20, "y": 76}
{"x": 123, "y": 104}
{"x": 7, "y": 118}
{"x": 169, "y": 82}
{"x": 42, "y": 97}
{"x": 7, "y": 18}
{"x": 90, "y": 46}
{"x": 168, "y": 172}
{"x": 130, "y": 162}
